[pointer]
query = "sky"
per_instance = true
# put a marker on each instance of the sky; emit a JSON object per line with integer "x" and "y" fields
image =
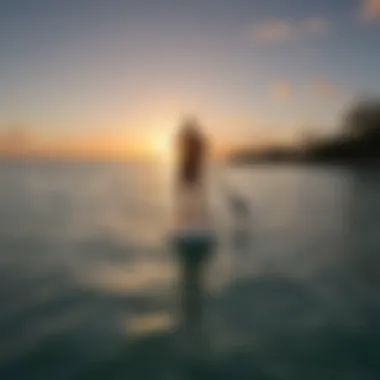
{"x": 120, "y": 74}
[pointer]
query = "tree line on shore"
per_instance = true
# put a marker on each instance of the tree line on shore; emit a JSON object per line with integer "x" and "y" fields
{"x": 358, "y": 141}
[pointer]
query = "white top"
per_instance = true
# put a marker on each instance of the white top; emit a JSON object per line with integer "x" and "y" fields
{"x": 192, "y": 214}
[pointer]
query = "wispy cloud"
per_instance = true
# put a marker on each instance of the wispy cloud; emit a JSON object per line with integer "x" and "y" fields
{"x": 273, "y": 31}
{"x": 278, "y": 30}
{"x": 324, "y": 88}
{"x": 370, "y": 10}
{"x": 282, "y": 91}
{"x": 317, "y": 26}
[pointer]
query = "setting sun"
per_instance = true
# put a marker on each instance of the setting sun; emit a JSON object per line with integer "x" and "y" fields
{"x": 162, "y": 146}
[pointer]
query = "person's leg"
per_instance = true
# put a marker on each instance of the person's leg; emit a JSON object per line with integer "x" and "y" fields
{"x": 193, "y": 260}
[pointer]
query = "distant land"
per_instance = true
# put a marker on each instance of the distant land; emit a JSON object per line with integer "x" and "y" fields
{"x": 358, "y": 142}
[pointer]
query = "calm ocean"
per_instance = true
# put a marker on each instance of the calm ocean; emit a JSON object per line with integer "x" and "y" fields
{"x": 88, "y": 281}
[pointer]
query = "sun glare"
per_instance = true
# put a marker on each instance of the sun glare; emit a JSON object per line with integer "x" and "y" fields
{"x": 162, "y": 146}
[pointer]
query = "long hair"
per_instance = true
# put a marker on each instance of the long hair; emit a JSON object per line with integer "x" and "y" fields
{"x": 191, "y": 154}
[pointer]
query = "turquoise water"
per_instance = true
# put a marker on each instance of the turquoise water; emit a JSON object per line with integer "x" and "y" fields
{"x": 88, "y": 283}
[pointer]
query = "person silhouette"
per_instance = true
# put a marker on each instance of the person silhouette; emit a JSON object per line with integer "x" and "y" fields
{"x": 193, "y": 236}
